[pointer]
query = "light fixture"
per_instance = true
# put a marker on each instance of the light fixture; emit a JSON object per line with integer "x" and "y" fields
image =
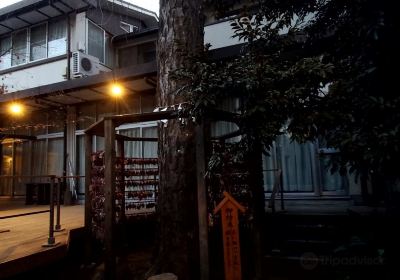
{"x": 116, "y": 90}
{"x": 16, "y": 109}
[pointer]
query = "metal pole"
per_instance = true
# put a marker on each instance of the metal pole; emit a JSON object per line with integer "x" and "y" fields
{"x": 58, "y": 225}
{"x": 51, "y": 242}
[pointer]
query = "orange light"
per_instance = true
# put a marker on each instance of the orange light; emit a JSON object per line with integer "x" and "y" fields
{"x": 16, "y": 109}
{"x": 116, "y": 90}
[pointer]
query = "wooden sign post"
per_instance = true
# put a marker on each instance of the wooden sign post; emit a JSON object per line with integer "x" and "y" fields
{"x": 230, "y": 233}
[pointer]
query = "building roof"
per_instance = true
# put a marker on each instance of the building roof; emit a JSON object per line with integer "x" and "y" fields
{"x": 124, "y": 8}
{"x": 135, "y": 35}
{"x": 29, "y": 12}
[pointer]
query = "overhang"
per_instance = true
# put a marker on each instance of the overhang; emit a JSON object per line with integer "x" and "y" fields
{"x": 138, "y": 79}
{"x": 29, "y": 12}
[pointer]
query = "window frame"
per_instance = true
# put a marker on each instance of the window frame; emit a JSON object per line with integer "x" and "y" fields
{"x": 135, "y": 44}
{"x": 88, "y": 21}
{"x": 27, "y": 46}
{"x": 47, "y": 41}
{"x": 28, "y": 43}
{"x": 9, "y": 51}
{"x": 132, "y": 27}
{"x": 66, "y": 35}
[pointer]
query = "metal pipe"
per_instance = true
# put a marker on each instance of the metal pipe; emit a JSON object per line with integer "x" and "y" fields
{"x": 51, "y": 242}
{"x": 58, "y": 225}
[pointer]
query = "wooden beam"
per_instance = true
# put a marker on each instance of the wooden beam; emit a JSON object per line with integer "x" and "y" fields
{"x": 56, "y": 8}
{"x": 17, "y": 136}
{"x": 5, "y": 26}
{"x": 109, "y": 203}
{"x": 66, "y": 5}
{"x": 88, "y": 206}
{"x": 202, "y": 203}
{"x": 43, "y": 14}
{"x": 23, "y": 20}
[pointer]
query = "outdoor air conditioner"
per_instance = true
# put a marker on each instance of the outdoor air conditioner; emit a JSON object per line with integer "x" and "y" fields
{"x": 83, "y": 65}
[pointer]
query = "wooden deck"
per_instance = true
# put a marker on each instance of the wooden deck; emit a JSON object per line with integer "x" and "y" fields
{"x": 22, "y": 237}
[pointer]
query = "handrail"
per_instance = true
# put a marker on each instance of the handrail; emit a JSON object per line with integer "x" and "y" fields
{"x": 51, "y": 242}
{"x": 278, "y": 187}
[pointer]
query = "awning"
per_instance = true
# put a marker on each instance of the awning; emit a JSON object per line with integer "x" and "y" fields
{"x": 30, "y": 12}
{"x": 138, "y": 79}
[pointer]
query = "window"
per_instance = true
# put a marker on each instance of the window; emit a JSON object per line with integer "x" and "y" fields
{"x": 96, "y": 41}
{"x": 57, "y": 38}
{"x": 138, "y": 54}
{"x": 304, "y": 169}
{"x": 38, "y": 42}
{"x": 42, "y": 41}
{"x": 127, "y": 27}
{"x": 19, "y": 48}
{"x": 108, "y": 59}
{"x": 5, "y": 52}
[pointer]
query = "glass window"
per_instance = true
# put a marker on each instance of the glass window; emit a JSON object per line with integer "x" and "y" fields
{"x": 38, "y": 42}
{"x": 55, "y": 156}
{"x": 5, "y": 52}
{"x": 127, "y": 57}
{"x": 57, "y": 44}
{"x": 20, "y": 50}
{"x": 108, "y": 50}
{"x": 96, "y": 41}
{"x": 127, "y": 27}
{"x": 296, "y": 162}
{"x": 138, "y": 54}
{"x": 146, "y": 52}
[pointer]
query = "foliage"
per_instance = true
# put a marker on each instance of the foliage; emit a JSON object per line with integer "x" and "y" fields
{"x": 313, "y": 69}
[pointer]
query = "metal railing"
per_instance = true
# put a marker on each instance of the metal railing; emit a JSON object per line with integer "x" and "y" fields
{"x": 55, "y": 182}
{"x": 277, "y": 187}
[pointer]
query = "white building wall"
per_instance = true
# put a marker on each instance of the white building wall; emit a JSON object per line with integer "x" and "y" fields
{"x": 220, "y": 35}
{"x": 35, "y": 76}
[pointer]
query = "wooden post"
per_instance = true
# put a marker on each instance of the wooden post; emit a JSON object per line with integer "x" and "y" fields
{"x": 1, "y": 164}
{"x": 202, "y": 203}
{"x": 58, "y": 197}
{"x": 257, "y": 205}
{"x": 88, "y": 207}
{"x": 51, "y": 241}
{"x": 13, "y": 169}
{"x": 121, "y": 154}
{"x": 109, "y": 203}
{"x": 230, "y": 232}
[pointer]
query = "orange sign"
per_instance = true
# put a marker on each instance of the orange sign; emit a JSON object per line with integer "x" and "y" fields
{"x": 230, "y": 233}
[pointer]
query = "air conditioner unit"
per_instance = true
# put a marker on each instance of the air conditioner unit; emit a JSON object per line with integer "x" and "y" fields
{"x": 83, "y": 65}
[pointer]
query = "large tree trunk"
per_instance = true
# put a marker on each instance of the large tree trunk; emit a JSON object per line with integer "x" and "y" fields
{"x": 181, "y": 34}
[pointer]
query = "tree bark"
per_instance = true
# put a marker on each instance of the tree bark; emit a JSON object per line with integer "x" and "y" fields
{"x": 180, "y": 35}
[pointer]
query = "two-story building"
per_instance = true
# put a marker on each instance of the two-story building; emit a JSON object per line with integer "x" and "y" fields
{"x": 58, "y": 62}
{"x": 59, "y": 59}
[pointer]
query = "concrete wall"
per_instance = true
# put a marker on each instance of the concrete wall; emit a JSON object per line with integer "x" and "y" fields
{"x": 219, "y": 35}
{"x": 35, "y": 76}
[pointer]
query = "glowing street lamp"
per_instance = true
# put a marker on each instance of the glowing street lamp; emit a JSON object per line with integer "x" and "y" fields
{"x": 16, "y": 109}
{"x": 116, "y": 90}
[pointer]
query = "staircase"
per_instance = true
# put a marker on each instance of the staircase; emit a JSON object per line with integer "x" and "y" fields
{"x": 311, "y": 246}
